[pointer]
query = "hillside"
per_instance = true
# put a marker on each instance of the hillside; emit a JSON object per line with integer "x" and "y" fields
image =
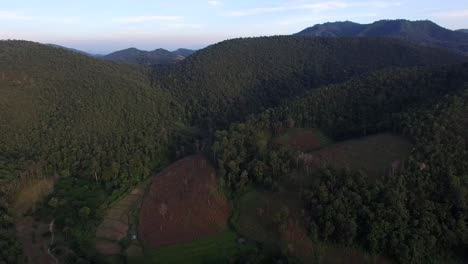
{"x": 155, "y": 57}
{"x": 61, "y": 110}
{"x": 219, "y": 86}
{"x": 463, "y": 30}
{"x": 351, "y": 207}
{"x": 97, "y": 128}
{"x": 422, "y": 32}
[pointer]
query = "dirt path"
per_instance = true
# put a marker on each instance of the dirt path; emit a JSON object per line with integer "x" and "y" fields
{"x": 52, "y": 241}
{"x": 115, "y": 225}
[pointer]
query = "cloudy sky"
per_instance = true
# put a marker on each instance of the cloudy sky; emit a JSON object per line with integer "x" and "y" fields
{"x": 102, "y": 26}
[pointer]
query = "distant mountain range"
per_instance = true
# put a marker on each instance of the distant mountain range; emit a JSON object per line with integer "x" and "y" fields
{"x": 136, "y": 56}
{"x": 463, "y": 30}
{"x": 155, "y": 57}
{"x": 422, "y": 32}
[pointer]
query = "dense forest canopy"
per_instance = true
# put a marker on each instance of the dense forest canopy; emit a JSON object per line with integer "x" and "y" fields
{"x": 417, "y": 214}
{"x": 234, "y": 78}
{"x": 102, "y": 127}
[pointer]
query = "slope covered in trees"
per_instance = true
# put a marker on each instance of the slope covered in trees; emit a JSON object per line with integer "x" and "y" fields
{"x": 234, "y": 78}
{"x": 101, "y": 127}
{"x": 418, "y": 214}
{"x": 423, "y": 32}
{"x": 68, "y": 114}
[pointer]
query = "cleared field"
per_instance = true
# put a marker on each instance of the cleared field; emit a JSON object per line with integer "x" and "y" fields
{"x": 115, "y": 224}
{"x": 206, "y": 250}
{"x": 257, "y": 219}
{"x": 375, "y": 155}
{"x": 182, "y": 205}
{"x": 34, "y": 238}
{"x": 30, "y": 193}
{"x": 304, "y": 139}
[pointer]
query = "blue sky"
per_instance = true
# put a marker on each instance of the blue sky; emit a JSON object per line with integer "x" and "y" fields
{"x": 102, "y": 26}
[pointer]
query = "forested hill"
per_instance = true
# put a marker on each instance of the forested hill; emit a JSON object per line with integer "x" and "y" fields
{"x": 68, "y": 114}
{"x": 155, "y": 57}
{"x": 103, "y": 127}
{"x": 64, "y": 113}
{"x": 231, "y": 79}
{"x": 414, "y": 215}
{"x": 422, "y": 32}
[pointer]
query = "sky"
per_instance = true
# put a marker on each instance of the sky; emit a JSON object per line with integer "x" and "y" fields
{"x": 103, "y": 26}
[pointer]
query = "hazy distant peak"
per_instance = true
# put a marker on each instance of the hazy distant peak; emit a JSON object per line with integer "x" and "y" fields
{"x": 156, "y": 57}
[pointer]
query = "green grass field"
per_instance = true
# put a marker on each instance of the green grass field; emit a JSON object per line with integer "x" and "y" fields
{"x": 215, "y": 249}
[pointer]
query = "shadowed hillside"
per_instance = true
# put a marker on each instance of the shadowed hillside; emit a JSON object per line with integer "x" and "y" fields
{"x": 234, "y": 78}
{"x": 422, "y": 32}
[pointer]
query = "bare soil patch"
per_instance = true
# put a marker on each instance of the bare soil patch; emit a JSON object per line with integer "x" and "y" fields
{"x": 182, "y": 205}
{"x": 30, "y": 193}
{"x": 33, "y": 236}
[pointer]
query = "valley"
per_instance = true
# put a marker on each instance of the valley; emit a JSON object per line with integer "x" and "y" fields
{"x": 320, "y": 147}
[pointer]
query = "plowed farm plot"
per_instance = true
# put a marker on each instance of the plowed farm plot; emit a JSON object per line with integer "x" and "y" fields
{"x": 182, "y": 204}
{"x": 115, "y": 224}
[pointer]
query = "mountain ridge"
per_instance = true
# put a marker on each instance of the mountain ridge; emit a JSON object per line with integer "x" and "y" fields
{"x": 423, "y": 32}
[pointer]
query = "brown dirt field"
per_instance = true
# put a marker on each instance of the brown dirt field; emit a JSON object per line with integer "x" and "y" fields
{"x": 376, "y": 155}
{"x": 182, "y": 205}
{"x": 34, "y": 244}
{"x": 301, "y": 141}
{"x": 30, "y": 193}
{"x": 115, "y": 225}
{"x": 297, "y": 241}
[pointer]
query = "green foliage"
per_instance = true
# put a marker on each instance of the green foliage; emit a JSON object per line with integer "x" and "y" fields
{"x": 417, "y": 214}
{"x": 10, "y": 248}
{"x": 102, "y": 127}
{"x": 75, "y": 205}
{"x": 216, "y": 249}
{"x": 67, "y": 114}
{"x": 235, "y": 78}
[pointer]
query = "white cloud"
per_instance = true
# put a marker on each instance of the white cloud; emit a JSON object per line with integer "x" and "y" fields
{"x": 214, "y": 3}
{"x": 315, "y": 7}
{"x": 456, "y": 14}
{"x": 16, "y": 16}
{"x": 142, "y": 19}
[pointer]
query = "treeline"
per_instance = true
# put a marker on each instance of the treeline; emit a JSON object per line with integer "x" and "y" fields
{"x": 416, "y": 215}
